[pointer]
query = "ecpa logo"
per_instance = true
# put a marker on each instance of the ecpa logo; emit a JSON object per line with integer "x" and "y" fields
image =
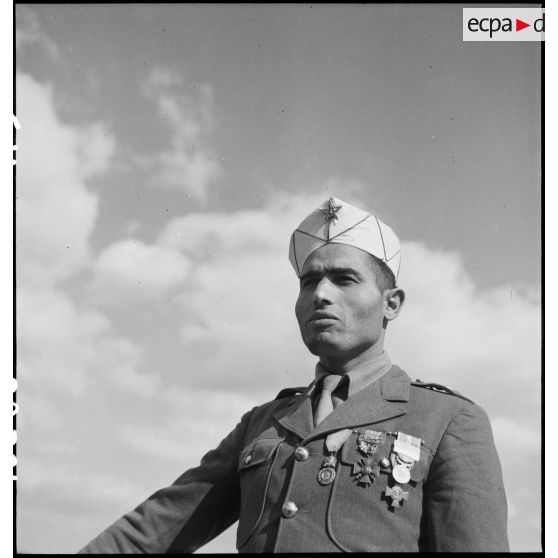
{"x": 503, "y": 24}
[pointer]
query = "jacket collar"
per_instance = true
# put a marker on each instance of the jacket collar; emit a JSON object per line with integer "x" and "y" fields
{"x": 380, "y": 401}
{"x": 361, "y": 375}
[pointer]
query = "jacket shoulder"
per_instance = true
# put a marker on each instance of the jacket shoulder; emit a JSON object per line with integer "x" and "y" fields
{"x": 289, "y": 392}
{"x": 439, "y": 388}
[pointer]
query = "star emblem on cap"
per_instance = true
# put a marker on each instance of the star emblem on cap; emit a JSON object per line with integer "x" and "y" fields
{"x": 330, "y": 211}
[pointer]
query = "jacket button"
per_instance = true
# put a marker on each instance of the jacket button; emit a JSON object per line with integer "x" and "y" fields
{"x": 289, "y": 509}
{"x": 302, "y": 454}
{"x": 248, "y": 458}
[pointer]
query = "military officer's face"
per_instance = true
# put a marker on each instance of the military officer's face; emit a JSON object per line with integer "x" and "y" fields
{"x": 340, "y": 310}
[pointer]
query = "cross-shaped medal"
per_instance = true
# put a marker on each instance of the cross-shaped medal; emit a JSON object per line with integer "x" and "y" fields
{"x": 366, "y": 471}
{"x": 397, "y": 495}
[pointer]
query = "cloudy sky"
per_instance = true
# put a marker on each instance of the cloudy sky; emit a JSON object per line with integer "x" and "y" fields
{"x": 164, "y": 156}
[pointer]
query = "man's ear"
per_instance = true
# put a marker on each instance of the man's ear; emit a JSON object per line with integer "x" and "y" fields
{"x": 393, "y": 302}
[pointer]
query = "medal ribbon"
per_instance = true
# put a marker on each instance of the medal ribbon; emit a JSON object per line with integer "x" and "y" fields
{"x": 406, "y": 445}
{"x": 334, "y": 442}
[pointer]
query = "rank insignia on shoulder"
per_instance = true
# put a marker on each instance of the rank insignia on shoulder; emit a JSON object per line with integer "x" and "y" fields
{"x": 439, "y": 388}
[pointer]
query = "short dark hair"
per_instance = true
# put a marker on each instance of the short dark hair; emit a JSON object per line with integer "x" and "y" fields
{"x": 385, "y": 279}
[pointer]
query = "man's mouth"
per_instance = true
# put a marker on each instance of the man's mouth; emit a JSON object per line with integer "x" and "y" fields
{"x": 321, "y": 317}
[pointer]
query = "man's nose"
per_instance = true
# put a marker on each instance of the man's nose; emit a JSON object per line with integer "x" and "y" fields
{"x": 323, "y": 293}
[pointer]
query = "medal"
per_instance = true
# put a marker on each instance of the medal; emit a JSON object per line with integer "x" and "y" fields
{"x": 401, "y": 474}
{"x": 369, "y": 441}
{"x": 400, "y": 470}
{"x": 397, "y": 495}
{"x": 365, "y": 471}
{"x": 401, "y": 462}
{"x": 326, "y": 475}
{"x": 405, "y": 452}
{"x": 334, "y": 442}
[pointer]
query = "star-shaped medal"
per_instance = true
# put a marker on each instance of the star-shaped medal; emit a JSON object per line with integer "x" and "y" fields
{"x": 365, "y": 471}
{"x": 397, "y": 495}
{"x": 330, "y": 212}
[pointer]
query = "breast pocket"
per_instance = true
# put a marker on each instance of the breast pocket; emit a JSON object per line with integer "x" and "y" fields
{"x": 367, "y": 512}
{"x": 255, "y": 466}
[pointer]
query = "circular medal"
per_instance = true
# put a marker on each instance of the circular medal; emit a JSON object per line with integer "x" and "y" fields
{"x": 401, "y": 474}
{"x": 326, "y": 475}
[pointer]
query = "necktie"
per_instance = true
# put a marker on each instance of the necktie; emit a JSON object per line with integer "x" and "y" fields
{"x": 325, "y": 403}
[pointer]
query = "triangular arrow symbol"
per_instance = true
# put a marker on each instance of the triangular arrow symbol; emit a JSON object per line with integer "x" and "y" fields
{"x": 519, "y": 24}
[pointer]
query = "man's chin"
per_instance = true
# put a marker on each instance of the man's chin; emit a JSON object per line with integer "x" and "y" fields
{"x": 323, "y": 345}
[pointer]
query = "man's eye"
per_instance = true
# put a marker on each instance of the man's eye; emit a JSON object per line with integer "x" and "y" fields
{"x": 345, "y": 279}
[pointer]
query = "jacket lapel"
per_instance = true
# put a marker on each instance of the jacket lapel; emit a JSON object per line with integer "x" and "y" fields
{"x": 382, "y": 400}
{"x": 297, "y": 416}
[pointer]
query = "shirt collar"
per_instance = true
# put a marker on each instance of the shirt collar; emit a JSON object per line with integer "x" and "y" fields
{"x": 362, "y": 375}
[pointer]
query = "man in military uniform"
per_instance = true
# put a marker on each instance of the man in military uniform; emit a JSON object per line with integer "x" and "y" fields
{"x": 364, "y": 458}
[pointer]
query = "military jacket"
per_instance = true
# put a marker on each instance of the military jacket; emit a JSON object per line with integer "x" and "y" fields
{"x": 454, "y": 502}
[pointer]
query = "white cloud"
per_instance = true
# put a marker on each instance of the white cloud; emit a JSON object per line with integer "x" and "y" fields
{"x": 55, "y": 211}
{"x": 195, "y": 421}
{"x": 65, "y": 348}
{"x": 56, "y": 341}
{"x": 62, "y": 341}
{"x": 71, "y": 361}
{"x": 95, "y": 146}
{"x": 99, "y": 487}
{"x": 130, "y": 271}
{"x": 239, "y": 300}
{"x": 480, "y": 342}
{"x": 207, "y": 236}
{"x": 189, "y": 164}
{"x": 509, "y": 432}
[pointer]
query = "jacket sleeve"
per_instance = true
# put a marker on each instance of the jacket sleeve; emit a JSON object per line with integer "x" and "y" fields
{"x": 180, "y": 518}
{"x": 465, "y": 503}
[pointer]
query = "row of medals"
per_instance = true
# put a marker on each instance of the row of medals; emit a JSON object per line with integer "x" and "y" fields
{"x": 366, "y": 470}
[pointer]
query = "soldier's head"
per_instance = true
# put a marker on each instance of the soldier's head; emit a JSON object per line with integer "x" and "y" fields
{"x": 348, "y": 291}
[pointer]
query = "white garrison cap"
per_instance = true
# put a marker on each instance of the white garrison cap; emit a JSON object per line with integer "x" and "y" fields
{"x": 338, "y": 222}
